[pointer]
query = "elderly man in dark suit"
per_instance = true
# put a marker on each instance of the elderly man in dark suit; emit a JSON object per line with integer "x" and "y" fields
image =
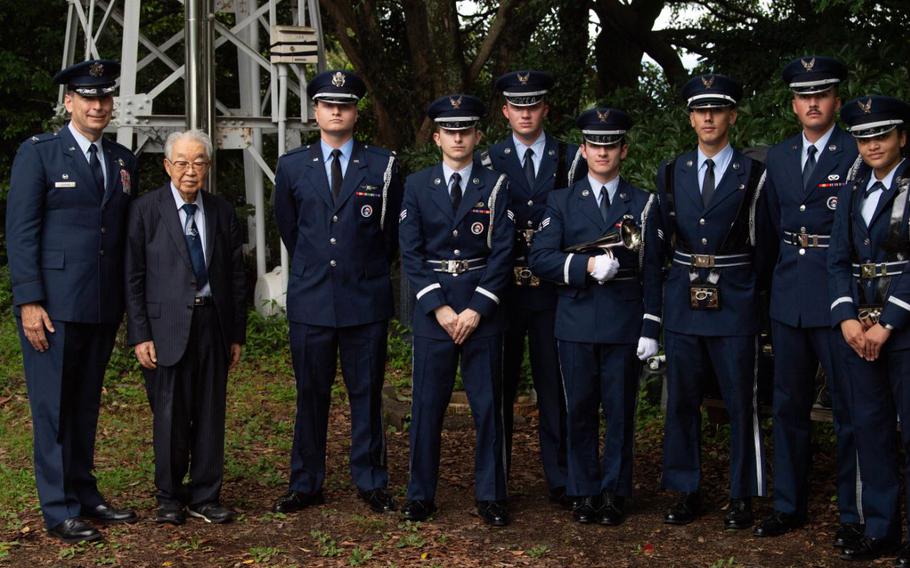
{"x": 187, "y": 321}
{"x": 66, "y": 214}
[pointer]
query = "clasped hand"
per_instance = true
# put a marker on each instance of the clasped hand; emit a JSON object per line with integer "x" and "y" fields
{"x": 459, "y": 326}
{"x": 866, "y": 341}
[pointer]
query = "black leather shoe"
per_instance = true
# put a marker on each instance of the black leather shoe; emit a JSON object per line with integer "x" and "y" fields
{"x": 586, "y": 509}
{"x": 494, "y": 513}
{"x": 903, "y": 557}
{"x": 611, "y": 509}
{"x": 294, "y": 501}
{"x": 686, "y": 510}
{"x": 170, "y": 514}
{"x": 418, "y": 510}
{"x": 778, "y": 523}
{"x": 104, "y": 513}
{"x": 378, "y": 499}
{"x": 212, "y": 513}
{"x": 739, "y": 514}
{"x": 74, "y": 530}
{"x": 868, "y": 548}
{"x": 848, "y": 533}
{"x": 559, "y": 496}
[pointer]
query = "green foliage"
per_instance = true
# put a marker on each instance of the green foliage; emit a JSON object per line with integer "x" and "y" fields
{"x": 538, "y": 551}
{"x": 359, "y": 556}
{"x": 327, "y": 545}
{"x": 264, "y": 554}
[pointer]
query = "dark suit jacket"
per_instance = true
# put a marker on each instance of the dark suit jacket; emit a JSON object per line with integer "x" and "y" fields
{"x": 482, "y": 228}
{"x": 871, "y": 245}
{"x": 799, "y": 274}
{"x": 65, "y": 237}
{"x": 160, "y": 284}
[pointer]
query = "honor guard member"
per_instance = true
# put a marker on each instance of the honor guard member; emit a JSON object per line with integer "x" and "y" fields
{"x": 335, "y": 205}
{"x": 608, "y": 312}
{"x": 711, "y": 316}
{"x": 869, "y": 283}
{"x": 456, "y": 236}
{"x": 65, "y": 228}
{"x": 536, "y": 164}
{"x": 804, "y": 174}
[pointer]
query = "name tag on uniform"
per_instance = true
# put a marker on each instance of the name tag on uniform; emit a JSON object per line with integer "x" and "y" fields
{"x": 64, "y": 184}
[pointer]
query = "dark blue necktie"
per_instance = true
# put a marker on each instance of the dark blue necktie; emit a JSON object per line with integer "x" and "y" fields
{"x": 877, "y": 186}
{"x": 604, "y": 202}
{"x": 194, "y": 246}
{"x": 95, "y": 164}
{"x": 810, "y": 165}
{"x": 529, "y": 167}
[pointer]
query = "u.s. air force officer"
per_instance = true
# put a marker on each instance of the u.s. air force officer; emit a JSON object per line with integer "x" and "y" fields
{"x": 186, "y": 318}
{"x": 65, "y": 228}
{"x": 336, "y": 203}
{"x": 804, "y": 174}
{"x": 536, "y": 163}
{"x": 708, "y": 200}
{"x": 456, "y": 236}
{"x": 869, "y": 287}
{"x": 608, "y": 311}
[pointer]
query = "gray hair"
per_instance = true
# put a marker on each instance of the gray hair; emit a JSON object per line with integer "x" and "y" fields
{"x": 196, "y": 135}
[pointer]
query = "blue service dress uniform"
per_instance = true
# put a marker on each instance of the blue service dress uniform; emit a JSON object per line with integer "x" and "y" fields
{"x": 530, "y": 303}
{"x": 725, "y": 339}
{"x": 65, "y": 242}
{"x": 859, "y": 256}
{"x": 802, "y": 217}
{"x": 598, "y": 326}
{"x": 339, "y": 298}
{"x": 478, "y": 237}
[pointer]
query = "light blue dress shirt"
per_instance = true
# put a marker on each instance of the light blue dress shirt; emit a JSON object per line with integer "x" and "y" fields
{"x": 721, "y": 161}
{"x": 539, "y": 146}
{"x": 346, "y": 149}
{"x": 84, "y": 143}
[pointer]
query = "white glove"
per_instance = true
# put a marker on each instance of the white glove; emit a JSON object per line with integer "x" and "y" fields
{"x": 605, "y": 267}
{"x": 647, "y": 348}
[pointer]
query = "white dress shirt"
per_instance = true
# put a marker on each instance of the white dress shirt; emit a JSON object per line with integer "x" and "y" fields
{"x": 871, "y": 203}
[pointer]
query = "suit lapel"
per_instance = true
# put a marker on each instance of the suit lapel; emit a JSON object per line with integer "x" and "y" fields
{"x": 472, "y": 193}
{"x": 318, "y": 180}
{"x": 547, "y": 165}
{"x": 439, "y": 191}
{"x": 171, "y": 220}
{"x": 732, "y": 182}
{"x": 356, "y": 171}
{"x": 113, "y": 171}
{"x": 687, "y": 179}
{"x": 619, "y": 206}
{"x": 884, "y": 202}
{"x": 587, "y": 202}
{"x": 79, "y": 164}
{"x": 211, "y": 224}
{"x": 508, "y": 162}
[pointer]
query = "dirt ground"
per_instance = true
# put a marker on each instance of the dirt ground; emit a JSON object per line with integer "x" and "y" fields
{"x": 343, "y": 532}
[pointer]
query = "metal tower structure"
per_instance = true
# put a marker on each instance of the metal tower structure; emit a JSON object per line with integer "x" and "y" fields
{"x": 265, "y": 85}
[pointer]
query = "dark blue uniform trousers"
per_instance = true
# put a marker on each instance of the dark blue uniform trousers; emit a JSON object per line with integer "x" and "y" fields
{"x": 880, "y": 393}
{"x": 314, "y": 351}
{"x": 435, "y": 363}
{"x": 600, "y": 376}
{"x": 64, "y": 392}
{"x": 734, "y": 360}
{"x": 797, "y": 353}
{"x": 188, "y": 407}
{"x": 538, "y": 326}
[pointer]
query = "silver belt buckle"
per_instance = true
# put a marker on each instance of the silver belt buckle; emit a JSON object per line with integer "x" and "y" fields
{"x": 703, "y": 260}
{"x": 454, "y": 266}
{"x": 867, "y": 271}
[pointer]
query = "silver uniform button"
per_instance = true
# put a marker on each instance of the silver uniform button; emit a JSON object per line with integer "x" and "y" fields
{"x": 802, "y": 229}
{"x": 455, "y": 233}
{"x": 333, "y": 240}
{"x": 704, "y": 241}
{"x": 530, "y": 224}
{"x": 334, "y": 218}
{"x": 457, "y": 252}
{"x": 530, "y": 203}
{"x": 802, "y": 251}
{"x": 701, "y": 221}
{"x": 333, "y": 263}
{"x": 802, "y": 207}
{"x": 867, "y": 242}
